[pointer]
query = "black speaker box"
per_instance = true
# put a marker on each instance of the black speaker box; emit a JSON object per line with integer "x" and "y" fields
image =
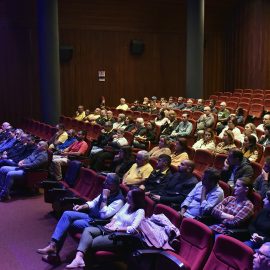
{"x": 136, "y": 47}
{"x": 65, "y": 53}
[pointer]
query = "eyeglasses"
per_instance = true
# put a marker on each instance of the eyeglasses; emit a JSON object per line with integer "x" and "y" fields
{"x": 262, "y": 254}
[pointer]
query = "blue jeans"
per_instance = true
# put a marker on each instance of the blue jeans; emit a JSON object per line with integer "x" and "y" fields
{"x": 76, "y": 221}
{"x": 8, "y": 174}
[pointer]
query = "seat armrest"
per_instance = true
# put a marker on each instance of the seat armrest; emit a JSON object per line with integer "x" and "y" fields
{"x": 72, "y": 200}
{"x": 49, "y": 184}
{"x": 241, "y": 234}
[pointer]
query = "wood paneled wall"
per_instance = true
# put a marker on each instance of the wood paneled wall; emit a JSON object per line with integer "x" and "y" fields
{"x": 235, "y": 54}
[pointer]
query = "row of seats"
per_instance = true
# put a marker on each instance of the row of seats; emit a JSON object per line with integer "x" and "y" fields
{"x": 196, "y": 240}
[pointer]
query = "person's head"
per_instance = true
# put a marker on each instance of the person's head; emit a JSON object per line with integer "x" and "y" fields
{"x": 164, "y": 162}
{"x": 103, "y": 113}
{"x": 109, "y": 114}
{"x": 210, "y": 178}
{"x": 122, "y": 101}
{"x": 139, "y": 122}
{"x": 223, "y": 105}
{"x": 266, "y": 200}
{"x": 199, "y": 102}
{"x": 228, "y": 137}
{"x": 163, "y": 105}
{"x": 24, "y": 138}
{"x": 170, "y": 100}
{"x": 71, "y": 133}
{"x": 6, "y": 126}
{"x": 189, "y": 103}
{"x": 212, "y": 103}
{"x": 180, "y": 100}
{"x": 266, "y": 119}
{"x": 11, "y": 132}
{"x": 186, "y": 166}
{"x": 42, "y": 146}
{"x": 97, "y": 111}
{"x": 208, "y": 135}
{"x": 136, "y": 199}
{"x": 129, "y": 120}
{"x": 181, "y": 145}
{"x": 243, "y": 187}
{"x": 249, "y": 129}
{"x": 250, "y": 142}
{"x": 81, "y": 135}
{"x": 149, "y": 125}
{"x": 108, "y": 126}
{"x": 261, "y": 259}
{"x": 120, "y": 133}
{"x": 87, "y": 112}
{"x": 266, "y": 165}
{"x": 232, "y": 123}
{"x": 172, "y": 115}
{"x": 60, "y": 127}
{"x": 142, "y": 158}
{"x": 184, "y": 117}
{"x": 163, "y": 142}
{"x": 207, "y": 110}
{"x": 18, "y": 133}
{"x": 112, "y": 182}
{"x": 267, "y": 130}
{"x": 121, "y": 117}
{"x": 30, "y": 140}
{"x": 161, "y": 115}
{"x": 240, "y": 111}
{"x": 235, "y": 157}
{"x": 80, "y": 109}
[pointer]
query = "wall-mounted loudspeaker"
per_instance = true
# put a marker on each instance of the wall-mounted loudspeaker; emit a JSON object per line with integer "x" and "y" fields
{"x": 136, "y": 47}
{"x": 65, "y": 53}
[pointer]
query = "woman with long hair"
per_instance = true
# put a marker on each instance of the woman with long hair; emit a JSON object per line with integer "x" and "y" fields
{"x": 249, "y": 148}
{"x": 162, "y": 148}
{"x": 226, "y": 144}
{"x": 126, "y": 220}
{"x": 207, "y": 142}
{"x": 180, "y": 152}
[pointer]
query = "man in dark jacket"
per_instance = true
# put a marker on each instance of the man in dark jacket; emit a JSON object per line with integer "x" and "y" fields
{"x": 8, "y": 174}
{"x": 178, "y": 185}
{"x": 157, "y": 180}
{"x": 236, "y": 166}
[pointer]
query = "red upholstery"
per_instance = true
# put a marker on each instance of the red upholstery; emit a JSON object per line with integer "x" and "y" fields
{"x": 191, "y": 152}
{"x": 244, "y": 104}
{"x": 203, "y": 159}
{"x": 256, "y": 110}
{"x": 219, "y": 161}
{"x": 257, "y": 168}
{"x": 238, "y": 90}
{"x": 170, "y": 213}
{"x": 229, "y": 253}
{"x": 257, "y": 201}
{"x": 266, "y": 153}
{"x": 226, "y": 188}
{"x": 196, "y": 242}
{"x": 232, "y": 104}
{"x": 129, "y": 136}
{"x": 267, "y": 104}
{"x": 196, "y": 115}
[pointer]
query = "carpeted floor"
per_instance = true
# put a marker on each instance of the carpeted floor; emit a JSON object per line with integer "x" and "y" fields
{"x": 26, "y": 225}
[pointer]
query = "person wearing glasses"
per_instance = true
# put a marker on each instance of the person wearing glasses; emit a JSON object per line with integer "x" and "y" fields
{"x": 261, "y": 259}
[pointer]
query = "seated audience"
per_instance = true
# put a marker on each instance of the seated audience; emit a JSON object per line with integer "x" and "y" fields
{"x": 171, "y": 104}
{"x": 10, "y": 140}
{"x": 261, "y": 259}
{"x": 9, "y": 174}
{"x": 199, "y": 106}
{"x": 157, "y": 180}
{"x": 129, "y": 124}
{"x": 265, "y": 139}
{"x": 80, "y": 113}
{"x": 262, "y": 183}
{"x": 206, "y": 120}
{"x": 239, "y": 116}
{"x": 162, "y": 148}
{"x": 231, "y": 125}
{"x": 59, "y": 137}
{"x": 123, "y": 106}
{"x": 139, "y": 171}
{"x": 266, "y": 121}
{"x": 153, "y": 107}
{"x": 69, "y": 141}
{"x": 123, "y": 161}
{"x": 223, "y": 114}
{"x": 143, "y": 141}
{"x": 207, "y": 142}
{"x": 103, "y": 118}
{"x": 234, "y": 211}
{"x": 259, "y": 228}
{"x": 180, "y": 152}
{"x": 78, "y": 148}
{"x": 126, "y": 220}
{"x": 226, "y": 144}
{"x": 183, "y": 129}
{"x": 212, "y": 105}
{"x": 180, "y": 105}
{"x": 110, "y": 117}
{"x": 168, "y": 128}
{"x": 250, "y": 129}
{"x": 178, "y": 186}
{"x": 4, "y": 131}
{"x": 189, "y": 106}
{"x": 139, "y": 129}
{"x": 104, "y": 206}
{"x": 92, "y": 117}
{"x": 120, "y": 121}
{"x": 204, "y": 196}
{"x": 249, "y": 148}
{"x": 236, "y": 166}
{"x": 161, "y": 119}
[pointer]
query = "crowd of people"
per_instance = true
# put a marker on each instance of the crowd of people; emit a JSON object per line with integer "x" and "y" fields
{"x": 164, "y": 173}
